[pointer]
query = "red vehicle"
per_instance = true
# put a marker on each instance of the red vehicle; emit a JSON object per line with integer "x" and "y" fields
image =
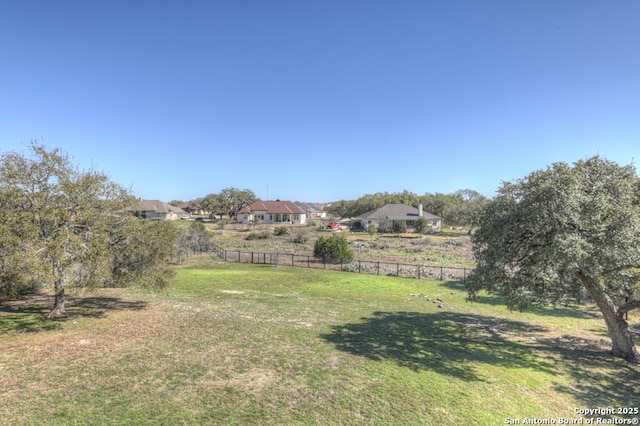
{"x": 337, "y": 226}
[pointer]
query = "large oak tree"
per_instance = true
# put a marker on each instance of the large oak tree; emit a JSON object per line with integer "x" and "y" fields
{"x": 61, "y": 225}
{"x": 562, "y": 234}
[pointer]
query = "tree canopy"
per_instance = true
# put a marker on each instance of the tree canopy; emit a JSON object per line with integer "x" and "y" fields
{"x": 562, "y": 234}
{"x": 228, "y": 202}
{"x": 61, "y": 225}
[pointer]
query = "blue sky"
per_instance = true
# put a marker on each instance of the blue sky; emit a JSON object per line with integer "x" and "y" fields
{"x": 320, "y": 100}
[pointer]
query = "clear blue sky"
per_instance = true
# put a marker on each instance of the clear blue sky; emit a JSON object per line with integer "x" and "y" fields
{"x": 321, "y": 100}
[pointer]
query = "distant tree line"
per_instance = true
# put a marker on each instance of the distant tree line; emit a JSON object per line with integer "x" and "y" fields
{"x": 460, "y": 208}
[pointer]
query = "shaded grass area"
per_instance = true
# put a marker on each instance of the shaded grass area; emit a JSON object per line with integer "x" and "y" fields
{"x": 30, "y": 314}
{"x": 254, "y": 344}
{"x": 448, "y": 343}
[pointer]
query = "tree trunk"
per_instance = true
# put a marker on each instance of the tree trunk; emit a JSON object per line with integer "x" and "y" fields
{"x": 621, "y": 340}
{"x": 58, "y": 304}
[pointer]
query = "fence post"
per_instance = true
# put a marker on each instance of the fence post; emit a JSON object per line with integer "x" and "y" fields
{"x": 464, "y": 275}
{"x": 419, "y": 271}
{"x": 308, "y": 262}
{"x": 292, "y": 261}
{"x": 378, "y": 268}
{"x": 441, "y": 273}
{"x": 359, "y": 265}
{"x": 397, "y": 269}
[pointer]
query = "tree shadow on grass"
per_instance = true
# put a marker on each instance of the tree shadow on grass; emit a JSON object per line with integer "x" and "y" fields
{"x": 29, "y": 314}
{"x": 577, "y": 312}
{"x": 599, "y": 378}
{"x": 454, "y": 344}
{"x": 446, "y": 342}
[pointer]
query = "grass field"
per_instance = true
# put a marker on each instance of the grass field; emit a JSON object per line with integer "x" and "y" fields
{"x": 252, "y": 344}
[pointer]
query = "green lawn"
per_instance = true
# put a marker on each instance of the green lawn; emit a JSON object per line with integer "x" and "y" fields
{"x": 254, "y": 344}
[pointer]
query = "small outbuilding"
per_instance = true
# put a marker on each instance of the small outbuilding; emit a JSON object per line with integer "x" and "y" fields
{"x": 156, "y": 210}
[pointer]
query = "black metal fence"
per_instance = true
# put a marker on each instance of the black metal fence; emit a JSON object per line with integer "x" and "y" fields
{"x": 429, "y": 272}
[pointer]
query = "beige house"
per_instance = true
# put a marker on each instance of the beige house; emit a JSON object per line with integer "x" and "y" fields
{"x": 157, "y": 210}
{"x": 272, "y": 212}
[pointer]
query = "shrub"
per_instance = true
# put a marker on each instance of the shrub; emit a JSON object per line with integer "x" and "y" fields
{"x": 424, "y": 241}
{"x": 333, "y": 249}
{"x": 384, "y": 226}
{"x": 281, "y": 231}
{"x": 399, "y": 227}
{"x": 258, "y": 235}
{"x": 422, "y": 225}
{"x": 301, "y": 237}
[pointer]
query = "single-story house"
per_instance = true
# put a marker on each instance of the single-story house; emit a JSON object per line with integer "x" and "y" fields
{"x": 193, "y": 209}
{"x": 314, "y": 211}
{"x": 156, "y": 210}
{"x": 272, "y": 212}
{"x": 384, "y": 216}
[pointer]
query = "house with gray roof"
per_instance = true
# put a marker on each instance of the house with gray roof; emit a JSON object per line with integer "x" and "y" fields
{"x": 314, "y": 211}
{"x": 156, "y": 210}
{"x": 384, "y": 216}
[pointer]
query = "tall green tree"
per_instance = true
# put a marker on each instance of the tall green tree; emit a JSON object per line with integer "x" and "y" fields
{"x": 466, "y": 210}
{"x": 562, "y": 233}
{"x": 443, "y": 205}
{"x": 228, "y": 202}
{"x": 234, "y": 199}
{"x": 65, "y": 225}
{"x": 211, "y": 203}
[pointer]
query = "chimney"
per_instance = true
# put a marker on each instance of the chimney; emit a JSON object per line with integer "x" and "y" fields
{"x": 420, "y": 210}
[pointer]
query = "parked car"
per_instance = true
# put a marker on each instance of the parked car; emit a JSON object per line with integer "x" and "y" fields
{"x": 337, "y": 226}
{"x": 184, "y": 217}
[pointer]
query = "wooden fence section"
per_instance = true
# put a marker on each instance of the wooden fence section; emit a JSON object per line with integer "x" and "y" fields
{"x": 429, "y": 272}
